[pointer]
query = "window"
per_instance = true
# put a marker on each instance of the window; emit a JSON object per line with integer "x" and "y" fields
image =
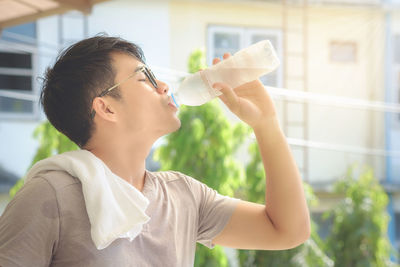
{"x": 222, "y": 39}
{"x": 25, "y": 33}
{"x": 17, "y": 68}
{"x": 343, "y": 52}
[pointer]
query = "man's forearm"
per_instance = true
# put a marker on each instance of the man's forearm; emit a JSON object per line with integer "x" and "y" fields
{"x": 284, "y": 196}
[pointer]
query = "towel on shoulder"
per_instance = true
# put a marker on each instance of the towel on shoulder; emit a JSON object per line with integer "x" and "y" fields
{"x": 116, "y": 209}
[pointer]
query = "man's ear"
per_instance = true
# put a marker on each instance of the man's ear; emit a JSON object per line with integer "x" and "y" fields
{"x": 104, "y": 109}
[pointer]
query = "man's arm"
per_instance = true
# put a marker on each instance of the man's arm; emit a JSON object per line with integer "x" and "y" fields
{"x": 284, "y": 221}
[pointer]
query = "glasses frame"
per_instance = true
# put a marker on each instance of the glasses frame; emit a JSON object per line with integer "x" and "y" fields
{"x": 146, "y": 70}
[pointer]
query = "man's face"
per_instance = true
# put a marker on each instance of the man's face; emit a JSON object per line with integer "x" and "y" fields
{"x": 143, "y": 108}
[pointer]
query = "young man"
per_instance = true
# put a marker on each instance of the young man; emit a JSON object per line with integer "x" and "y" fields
{"x": 103, "y": 97}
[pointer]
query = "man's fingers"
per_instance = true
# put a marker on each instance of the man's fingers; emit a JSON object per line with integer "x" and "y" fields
{"x": 228, "y": 96}
{"x": 226, "y": 55}
{"x": 216, "y": 60}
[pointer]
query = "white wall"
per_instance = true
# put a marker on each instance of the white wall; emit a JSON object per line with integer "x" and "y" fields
{"x": 144, "y": 23}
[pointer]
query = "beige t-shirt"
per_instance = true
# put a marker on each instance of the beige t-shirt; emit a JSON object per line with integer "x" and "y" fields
{"x": 46, "y": 224}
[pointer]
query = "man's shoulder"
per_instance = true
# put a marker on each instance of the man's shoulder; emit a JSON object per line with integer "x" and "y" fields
{"x": 58, "y": 180}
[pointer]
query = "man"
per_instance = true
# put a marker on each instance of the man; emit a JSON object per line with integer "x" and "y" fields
{"x": 102, "y": 96}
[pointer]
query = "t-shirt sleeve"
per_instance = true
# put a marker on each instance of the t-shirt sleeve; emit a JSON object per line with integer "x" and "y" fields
{"x": 215, "y": 210}
{"x": 29, "y": 226}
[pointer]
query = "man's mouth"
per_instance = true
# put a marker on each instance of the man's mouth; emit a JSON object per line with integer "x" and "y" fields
{"x": 170, "y": 102}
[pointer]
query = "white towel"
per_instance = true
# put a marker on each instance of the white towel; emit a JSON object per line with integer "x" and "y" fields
{"x": 115, "y": 207}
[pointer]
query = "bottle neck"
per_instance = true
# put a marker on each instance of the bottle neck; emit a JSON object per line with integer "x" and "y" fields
{"x": 175, "y": 99}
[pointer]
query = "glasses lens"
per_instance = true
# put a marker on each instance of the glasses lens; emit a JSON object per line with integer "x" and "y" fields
{"x": 151, "y": 77}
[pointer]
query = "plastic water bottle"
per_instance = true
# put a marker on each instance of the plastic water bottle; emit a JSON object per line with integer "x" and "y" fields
{"x": 244, "y": 66}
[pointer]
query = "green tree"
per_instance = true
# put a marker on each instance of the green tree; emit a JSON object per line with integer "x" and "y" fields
{"x": 359, "y": 232}
{"x": 307, "y": 254}
{"x": 51, "y": 142}
{"x": 203, "y": 148}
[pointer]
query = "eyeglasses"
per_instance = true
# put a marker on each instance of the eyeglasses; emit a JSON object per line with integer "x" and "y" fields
{"x": 146, "y": 70}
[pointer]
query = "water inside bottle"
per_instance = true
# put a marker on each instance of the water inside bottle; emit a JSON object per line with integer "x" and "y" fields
{"x": 234, "y": 76}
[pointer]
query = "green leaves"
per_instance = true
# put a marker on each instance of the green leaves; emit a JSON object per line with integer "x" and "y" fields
{"x": 210, "y": 258}
{"x": 197, "y": 61}
{"x": 359, "y": 232}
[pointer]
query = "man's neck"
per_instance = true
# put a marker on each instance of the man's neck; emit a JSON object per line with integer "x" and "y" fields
{"x": 126, "y": 161}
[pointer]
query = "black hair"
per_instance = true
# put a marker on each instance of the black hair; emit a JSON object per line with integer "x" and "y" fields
{"x": 80, "y": 73}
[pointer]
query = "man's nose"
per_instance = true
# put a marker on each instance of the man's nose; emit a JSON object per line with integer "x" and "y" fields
{"x": 162, "y": 87}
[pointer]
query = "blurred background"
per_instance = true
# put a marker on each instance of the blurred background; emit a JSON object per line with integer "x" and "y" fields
{"x": 337, "y": 93}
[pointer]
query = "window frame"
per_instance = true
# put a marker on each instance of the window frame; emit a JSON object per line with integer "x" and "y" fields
{"x": 33, "y": 94}
{"x": 245, "y": 33}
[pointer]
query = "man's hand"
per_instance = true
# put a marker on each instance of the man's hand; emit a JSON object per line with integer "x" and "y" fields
{"x": 284, "y": 221}
{"x": 250, "y": 101}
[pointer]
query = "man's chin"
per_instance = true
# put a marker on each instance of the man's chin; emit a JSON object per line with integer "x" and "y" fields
{"x": 174, "y": 126}
{"x": 177, "y": 126}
